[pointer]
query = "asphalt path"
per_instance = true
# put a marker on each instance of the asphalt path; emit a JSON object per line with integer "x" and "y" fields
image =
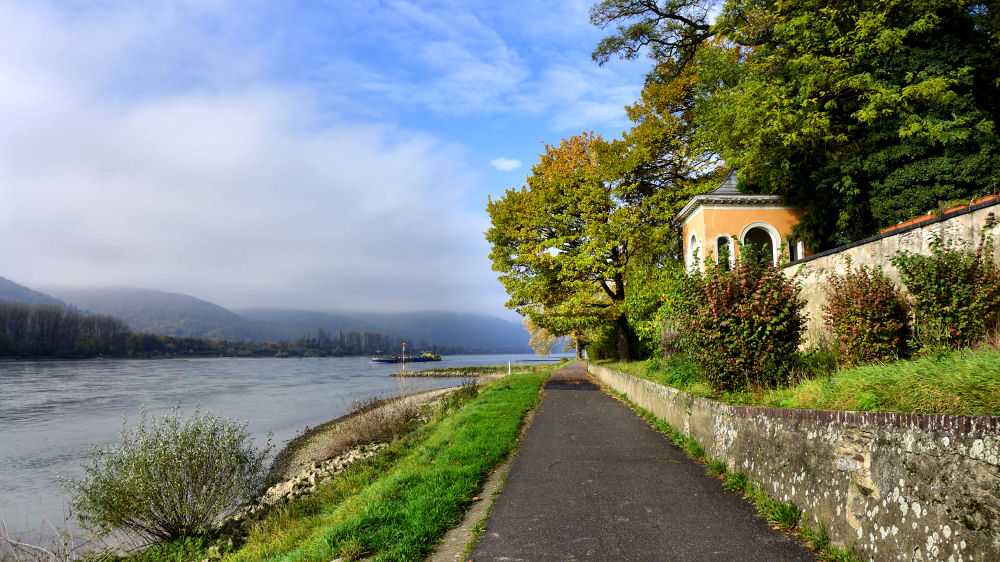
{"x": 593, "y": 481}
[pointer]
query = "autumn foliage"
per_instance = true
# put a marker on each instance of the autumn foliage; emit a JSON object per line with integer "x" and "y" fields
{"x": 866, "y": 315}
{"x": 744, "y": 325}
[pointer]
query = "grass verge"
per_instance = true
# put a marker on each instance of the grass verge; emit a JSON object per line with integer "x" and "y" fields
{"x": 397, "y": 505}
{"x": 785, "y": 516}
{"x": 958, "y": 382}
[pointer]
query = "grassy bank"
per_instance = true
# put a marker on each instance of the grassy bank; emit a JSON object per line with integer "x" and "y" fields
{"x": 959, "y": 382}
{"x": 397, "y": 505}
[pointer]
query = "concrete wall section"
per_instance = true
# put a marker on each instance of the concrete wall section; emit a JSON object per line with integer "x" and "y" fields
{"x": 892, "y": 486}
{"x": 961, "y": 228}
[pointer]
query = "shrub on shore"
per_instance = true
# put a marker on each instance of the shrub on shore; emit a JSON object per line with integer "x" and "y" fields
{"x": 170, "y": 476}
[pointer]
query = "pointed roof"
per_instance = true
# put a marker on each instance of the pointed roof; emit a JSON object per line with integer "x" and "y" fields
{"x": 727, "y": 194}
{"x": 728, "y": 185}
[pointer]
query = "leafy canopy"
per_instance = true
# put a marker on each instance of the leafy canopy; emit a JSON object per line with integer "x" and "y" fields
{"x": 865, "y": 113}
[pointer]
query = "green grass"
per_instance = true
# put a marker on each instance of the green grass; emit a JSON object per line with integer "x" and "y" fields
{"x": 958, "y": 382}
{"x": 399, "y": 504}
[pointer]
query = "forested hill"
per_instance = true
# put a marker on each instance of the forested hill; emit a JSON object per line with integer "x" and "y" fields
{"x": 475, "y": 332}
{"x": 171, "y": 314}
{"x": 184, "y": 316}
{"x": 12, "y": 292}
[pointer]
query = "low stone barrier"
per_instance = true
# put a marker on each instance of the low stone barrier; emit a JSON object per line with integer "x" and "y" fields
{"x": 892, "y": 486}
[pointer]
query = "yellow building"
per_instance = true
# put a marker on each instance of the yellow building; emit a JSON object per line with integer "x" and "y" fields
{"x": 711, "y": 221}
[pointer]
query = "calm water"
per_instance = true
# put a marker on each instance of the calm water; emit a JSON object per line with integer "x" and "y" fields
{"x": 53, "y": 413}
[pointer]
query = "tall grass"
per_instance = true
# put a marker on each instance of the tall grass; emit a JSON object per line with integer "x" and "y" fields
{"x": 958, "y": 382}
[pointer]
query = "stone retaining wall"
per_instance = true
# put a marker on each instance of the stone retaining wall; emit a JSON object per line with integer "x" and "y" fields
{"x": 892, "y": 486}
{"x": 963, "y": 228}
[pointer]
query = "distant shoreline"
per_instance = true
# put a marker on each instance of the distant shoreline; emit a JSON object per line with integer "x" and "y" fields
{"x": 21, "y": 359}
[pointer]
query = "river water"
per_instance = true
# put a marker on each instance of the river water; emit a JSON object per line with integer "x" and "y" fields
{"x": 53, "y": 413}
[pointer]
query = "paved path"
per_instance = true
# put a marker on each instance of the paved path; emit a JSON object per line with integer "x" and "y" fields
{"x": 593, "y": 481}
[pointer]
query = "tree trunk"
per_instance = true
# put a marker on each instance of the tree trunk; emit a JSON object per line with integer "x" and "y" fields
{"x": 579, "y": 348}
{"x": 621, "y": 323}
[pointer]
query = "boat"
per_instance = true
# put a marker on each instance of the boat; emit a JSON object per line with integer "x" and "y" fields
{"x": 423, "y": 357}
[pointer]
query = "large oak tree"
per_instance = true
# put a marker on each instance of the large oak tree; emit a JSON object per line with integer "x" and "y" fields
{"x": 595, "y": 212}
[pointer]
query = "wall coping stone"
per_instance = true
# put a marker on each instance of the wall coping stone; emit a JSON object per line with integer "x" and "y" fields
{"x": 923, "y": 224}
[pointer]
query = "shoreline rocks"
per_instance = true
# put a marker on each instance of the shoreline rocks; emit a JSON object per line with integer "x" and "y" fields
{"x": 307, "y": 480}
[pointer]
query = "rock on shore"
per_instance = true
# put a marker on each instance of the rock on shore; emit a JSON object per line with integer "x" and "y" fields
{"x": 307, "y": 480}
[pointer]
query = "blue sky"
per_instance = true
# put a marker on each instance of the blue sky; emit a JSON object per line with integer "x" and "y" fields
{"x": 320, "y": 155}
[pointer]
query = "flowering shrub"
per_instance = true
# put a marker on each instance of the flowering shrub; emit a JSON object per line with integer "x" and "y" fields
{"x": 955, "y": 293}
{"x": 866, "y": 315}
{"x": 744, "y": 325}
{"x": 170, "y": 477}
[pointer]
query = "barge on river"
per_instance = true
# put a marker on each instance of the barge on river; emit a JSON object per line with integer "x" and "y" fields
{"x": 408, "y": 358}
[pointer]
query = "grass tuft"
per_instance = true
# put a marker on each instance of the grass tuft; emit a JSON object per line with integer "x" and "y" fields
{"x": 715, "y": 468}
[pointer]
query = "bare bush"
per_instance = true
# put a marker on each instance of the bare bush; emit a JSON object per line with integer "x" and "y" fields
{"x": 378, "y": 419}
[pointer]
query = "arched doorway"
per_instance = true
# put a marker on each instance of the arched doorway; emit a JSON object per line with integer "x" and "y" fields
{"x": 760, "y": 238}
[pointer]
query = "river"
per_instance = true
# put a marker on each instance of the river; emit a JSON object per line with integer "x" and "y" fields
{"x": 52, "y": 413}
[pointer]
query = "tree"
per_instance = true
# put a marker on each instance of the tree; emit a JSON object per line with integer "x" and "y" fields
{"x": 542, "y": 341}
{"x": 554, "y": 242}
{"x": 670, "y": 30}
{"x": 878, "y": 110}
{"x": 591, "y": 212}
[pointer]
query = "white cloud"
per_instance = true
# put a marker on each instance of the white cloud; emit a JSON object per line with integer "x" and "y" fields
{"x": 214, "y": 196}
{"x": 247, "y": 196}
{"x": 259, "y": 155}
{"x": 505, "y": 164}
{"x": 457, "y": 59}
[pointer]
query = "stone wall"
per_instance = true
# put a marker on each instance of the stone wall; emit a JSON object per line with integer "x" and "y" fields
{"x": 891, "y": 486}
{"x": 962, "y": 227}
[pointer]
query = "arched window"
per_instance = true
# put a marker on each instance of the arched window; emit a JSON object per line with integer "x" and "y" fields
{"x": 694, "y": 252}
{"x": 724, "y": 252}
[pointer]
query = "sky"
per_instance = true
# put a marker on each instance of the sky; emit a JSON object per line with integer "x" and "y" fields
{"x": 331, "y": 155}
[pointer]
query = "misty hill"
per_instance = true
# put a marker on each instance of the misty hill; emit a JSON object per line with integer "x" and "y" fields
{"x": 171, "y": 314}
{"x": 473, "y": 331}
{"x": 179, "y": 315}
{"x": 12, "y": 292}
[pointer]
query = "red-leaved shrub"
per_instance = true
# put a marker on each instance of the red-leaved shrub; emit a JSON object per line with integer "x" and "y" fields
{"x": 866, "y": 315}
{"x": 744, "y": 325}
